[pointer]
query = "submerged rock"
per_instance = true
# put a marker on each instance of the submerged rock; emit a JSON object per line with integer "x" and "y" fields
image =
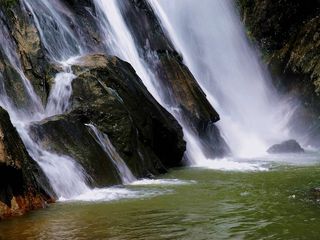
{"x": 23, "y": 186}
{"x": 290, "y": 146}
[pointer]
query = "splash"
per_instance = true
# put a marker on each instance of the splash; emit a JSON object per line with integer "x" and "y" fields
{"x": 215, "y": 48}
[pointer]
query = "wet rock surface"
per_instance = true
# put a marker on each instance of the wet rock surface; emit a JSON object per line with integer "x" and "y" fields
{"x": 182, "y": 89}
{"x": 23, "y": 186}
{"x": 288, "y": 34}
{"x": 108, "y": 94}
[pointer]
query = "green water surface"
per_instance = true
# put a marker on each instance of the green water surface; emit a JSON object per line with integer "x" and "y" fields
{"x": 273, "y": 204}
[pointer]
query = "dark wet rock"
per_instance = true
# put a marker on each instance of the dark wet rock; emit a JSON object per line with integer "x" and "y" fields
{"x": 290, "y": 146}
{"x": 110, "y": 88}
{"x": 68, "y": 135}
{"x": 108, "y": 94}
{"x": 25, "y": 37}
{"x": 23, "y": 186}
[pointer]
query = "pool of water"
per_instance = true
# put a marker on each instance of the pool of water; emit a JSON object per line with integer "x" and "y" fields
{"x": 188, "y": 203}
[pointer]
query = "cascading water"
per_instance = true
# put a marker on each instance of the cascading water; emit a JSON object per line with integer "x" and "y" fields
{"x": 63, "y": 47}
{"x": 120, "y": 42}
{"x": 54, "y": 29}
{"x": 58, "y": 101}
{"x": 67, "y": 178}
{"x": 214, "y": 46}
{"x": 9, "y": 51}
{"x": 103, "y": 140}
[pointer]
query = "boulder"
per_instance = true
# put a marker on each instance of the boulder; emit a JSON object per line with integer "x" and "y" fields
{"x": 115, "y": 99}
{"x": 23, "y": 186}
{"x": 290, "y": 146}
{"x": 108, "y": 94}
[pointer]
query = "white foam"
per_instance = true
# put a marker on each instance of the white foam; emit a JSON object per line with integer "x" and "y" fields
{"x": 143, "y": 182}
{"x": 229, "y": 164}
{"x": 112, "y": 194}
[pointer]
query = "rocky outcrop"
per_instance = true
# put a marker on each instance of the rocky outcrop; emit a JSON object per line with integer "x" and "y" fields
{"x": 108, "y": 94}
{"x": 289, "y": 146}
{"x": 180, "y": 87}
{"x": 23, "y": 186}
{"x": 25, "y": 43}
{"x": 111, "y": 87}
{"x": 68, "y": 135}
{"x": 287, "y": 31}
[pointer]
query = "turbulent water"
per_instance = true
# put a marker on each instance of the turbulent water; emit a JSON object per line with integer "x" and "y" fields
{"x": 215, "y": 48}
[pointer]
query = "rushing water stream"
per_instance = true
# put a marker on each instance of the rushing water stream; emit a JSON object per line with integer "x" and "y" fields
{"x": 242, "y": 197}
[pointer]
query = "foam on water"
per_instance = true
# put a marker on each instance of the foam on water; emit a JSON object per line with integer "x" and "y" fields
{"x": 113, "y": 194}
{"x": 145, "y": 182}
{"x": 231, "y": 164}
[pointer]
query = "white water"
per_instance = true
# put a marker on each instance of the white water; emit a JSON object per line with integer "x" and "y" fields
{"x": 58, "y": 100}
{"x": 65, "y": 175}
{"x": 120, "y": 42}
{"x": 104, "y": 141}
{"x": 214, "y": 46}
{"x": 54, "y": 28}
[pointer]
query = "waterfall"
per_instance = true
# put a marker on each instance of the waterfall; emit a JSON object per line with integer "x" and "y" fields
{"x": 58, "y": 100}
{"x": 104, "y": 141}
{"x": 9, "y": 51}
{"x": 215, "y": 48}
{"x": 65, "y": 175}
{"x": 120, "y": 42}
{"x": 54, "y": 28}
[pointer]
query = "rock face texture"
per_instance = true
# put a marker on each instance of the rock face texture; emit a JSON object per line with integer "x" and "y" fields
{"x": 108, "y": 94}
{"x": 290, "y": 146}
{"x": 288, "y": 34}
{"x": 23, "y": 187}
{"x": 24, "y": 47}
